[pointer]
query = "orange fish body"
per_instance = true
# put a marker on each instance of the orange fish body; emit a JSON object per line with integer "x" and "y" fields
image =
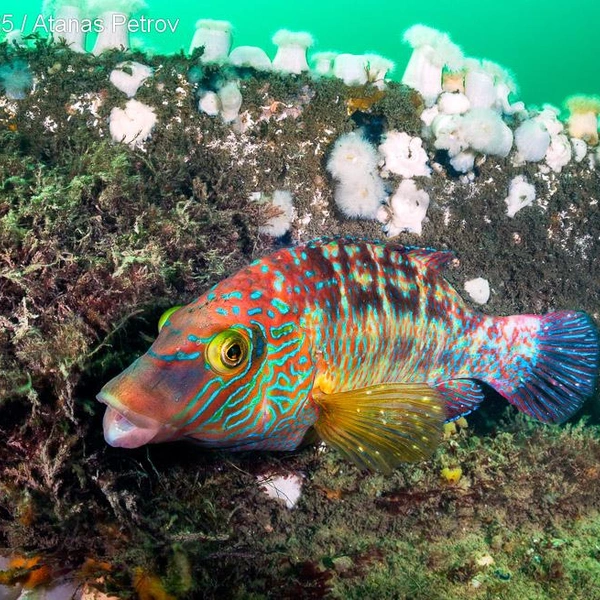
{"x": 366, "y": 343}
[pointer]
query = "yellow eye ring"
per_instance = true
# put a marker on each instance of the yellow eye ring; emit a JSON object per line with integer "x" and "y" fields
{"x": 228, "y": 351}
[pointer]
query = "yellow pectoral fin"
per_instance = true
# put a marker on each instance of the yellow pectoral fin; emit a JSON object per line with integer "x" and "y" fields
{"x": 380, "y": 426}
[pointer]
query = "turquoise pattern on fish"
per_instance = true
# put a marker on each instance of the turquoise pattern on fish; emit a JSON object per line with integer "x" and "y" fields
{"x": 254, "y": 362}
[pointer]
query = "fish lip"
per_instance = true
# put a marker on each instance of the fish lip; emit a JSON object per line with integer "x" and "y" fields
{"x": 124, "y": 428}
{"x": 133, "y": 417}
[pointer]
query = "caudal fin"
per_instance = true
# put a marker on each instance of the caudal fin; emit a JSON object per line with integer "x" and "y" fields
{"x": 561, "y": 371}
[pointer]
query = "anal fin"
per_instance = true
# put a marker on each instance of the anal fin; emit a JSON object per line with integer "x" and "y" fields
{"x": 462, "y": 396}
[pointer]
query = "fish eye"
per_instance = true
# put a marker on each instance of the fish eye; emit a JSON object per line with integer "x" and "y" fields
{"x": 227, "y": 351}
{"x": 231, "y": 354}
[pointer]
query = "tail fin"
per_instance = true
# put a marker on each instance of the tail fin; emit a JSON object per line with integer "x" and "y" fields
{"x": 562, "y": 369}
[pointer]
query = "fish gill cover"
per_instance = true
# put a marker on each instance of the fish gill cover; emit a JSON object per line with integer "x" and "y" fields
{"x": 133, "y": 182}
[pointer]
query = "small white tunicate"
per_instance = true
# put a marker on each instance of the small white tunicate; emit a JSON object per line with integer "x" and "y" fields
{"x": 278, "y": 225}
{"x": 520, "y": 194}
{"x": 478, "y": 289}
{"x": 284, "y": 488}
{"x": 407, "y": 209}
{"x": 404, "y": 155}
{"x": 133, "y": 124}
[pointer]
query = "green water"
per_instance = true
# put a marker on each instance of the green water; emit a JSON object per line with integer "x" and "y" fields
{"x": 553, "y": 47}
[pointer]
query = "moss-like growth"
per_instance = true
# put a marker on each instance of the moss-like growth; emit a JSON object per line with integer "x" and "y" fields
{"x": 96, "y": 240}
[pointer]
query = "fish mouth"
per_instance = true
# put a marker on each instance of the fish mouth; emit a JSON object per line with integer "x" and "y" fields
{"x": 124, "y": 428}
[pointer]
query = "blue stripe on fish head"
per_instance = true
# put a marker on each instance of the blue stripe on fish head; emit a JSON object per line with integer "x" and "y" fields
{"x": 188, "y": 381}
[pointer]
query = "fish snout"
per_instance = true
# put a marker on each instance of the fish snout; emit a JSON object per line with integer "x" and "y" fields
{"x": 138, "y": 406}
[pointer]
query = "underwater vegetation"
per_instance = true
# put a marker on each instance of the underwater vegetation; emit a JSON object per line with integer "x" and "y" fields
{"x": 111, "y": 213}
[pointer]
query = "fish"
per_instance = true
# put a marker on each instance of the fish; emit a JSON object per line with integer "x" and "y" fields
{"x": 363, "y": 345}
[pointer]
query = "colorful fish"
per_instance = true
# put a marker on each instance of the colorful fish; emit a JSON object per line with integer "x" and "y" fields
{"x": 364, "y": 343}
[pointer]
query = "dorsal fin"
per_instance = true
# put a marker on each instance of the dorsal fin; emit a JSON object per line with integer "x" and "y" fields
{"x": 430, "y": 258}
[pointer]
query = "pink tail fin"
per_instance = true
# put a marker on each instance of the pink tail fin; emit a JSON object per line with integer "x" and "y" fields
{"x": 560, "y": 371}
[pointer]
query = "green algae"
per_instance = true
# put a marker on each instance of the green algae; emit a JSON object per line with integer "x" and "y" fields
{"x": 96, "y": 240}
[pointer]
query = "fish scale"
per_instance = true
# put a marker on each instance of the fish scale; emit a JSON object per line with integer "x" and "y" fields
{"x": 365, "y": 342}
{"x": 385, "y": 317}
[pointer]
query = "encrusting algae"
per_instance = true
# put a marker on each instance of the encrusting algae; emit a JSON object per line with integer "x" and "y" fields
{"x": 97, "y": 239}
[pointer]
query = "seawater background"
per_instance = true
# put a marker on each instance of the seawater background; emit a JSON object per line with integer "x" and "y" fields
{"x": 552, "y": 47}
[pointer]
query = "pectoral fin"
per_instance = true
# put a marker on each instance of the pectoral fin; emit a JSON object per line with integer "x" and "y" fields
{"x": 380, "y": 426}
